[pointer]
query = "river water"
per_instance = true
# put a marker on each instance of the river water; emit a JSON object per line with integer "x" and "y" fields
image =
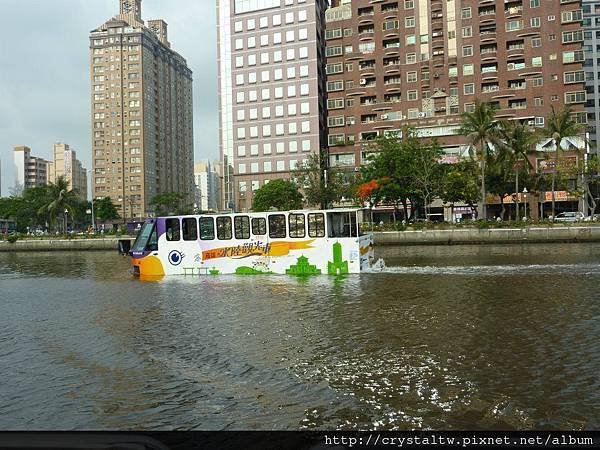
{"x": 460, "y": 337}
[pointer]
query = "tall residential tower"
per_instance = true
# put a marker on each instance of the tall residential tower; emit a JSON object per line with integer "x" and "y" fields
{"x": 141, "y": 113}
{"x": 422, "y": 63}
{"x": 271, "y": 91}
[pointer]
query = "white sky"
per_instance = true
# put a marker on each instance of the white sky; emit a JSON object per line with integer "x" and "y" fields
{"x": 44, "y": 72}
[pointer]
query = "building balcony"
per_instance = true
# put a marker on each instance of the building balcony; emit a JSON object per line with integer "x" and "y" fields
{"x": 503, "y": 93}
{"x": 505, "y": 113}
{"x": 530, "y": 72}
{"x": 513, "y": 12}
{"x": 383, "y": 106}
{"x": 488, "y": 53}
{"x": 529, "y": 32}
{"x": 488, "y": 36}
{"x": 515, "y": 53}
{"x": 356, "y": 91}
{"x": 489, "y": 58}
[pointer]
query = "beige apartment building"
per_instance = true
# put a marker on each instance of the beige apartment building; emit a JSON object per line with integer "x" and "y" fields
{"x": 30, "y": 171}
{"x": 142, "y": 136}
{"x": 271, "y": 91}
{"x": 67, "y": 165}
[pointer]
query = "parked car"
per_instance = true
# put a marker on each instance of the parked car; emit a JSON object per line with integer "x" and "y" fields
{"x": 574, "y": 216}
{"x": 593, "y": 218}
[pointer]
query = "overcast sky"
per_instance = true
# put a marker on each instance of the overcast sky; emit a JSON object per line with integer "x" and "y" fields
{"x": 44, "y": 72}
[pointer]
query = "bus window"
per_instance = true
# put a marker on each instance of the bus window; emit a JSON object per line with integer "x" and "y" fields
{"x": 342, "y": 225}
{"x": 145, "y": 238}
{"x": 259, "y": 226}
{"x": 207, "y": 228}
{"x": 173, "y": 230}
{"x": 190, "y": 229}
{"x": 224, "y": 228}
{"x": 297, "y": 226}
{"x": 277, "y": 226}
{"x": 242, "y": 227}
{"x": 316, "y": 225}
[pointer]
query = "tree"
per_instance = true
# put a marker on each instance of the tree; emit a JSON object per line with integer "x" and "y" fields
{"x": 105, "y": 209}
{"x": 322, "y": 186}
{"x": 426, "y": 168}
{"x": 59, "y": 199}
{"x": 461, "y": 184}
{"x": 591, "y": 182}
{"x": 560, "y": 125}
{"x": 390, "y": 165}
{"x": 171, "y": 204}
{"x": 480, "y": 128}
{"x": 282, "y": 195}
{"x": 517, "y": 144}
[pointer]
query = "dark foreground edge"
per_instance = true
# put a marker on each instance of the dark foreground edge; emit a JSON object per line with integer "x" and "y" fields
{"x": 295, "y": 440}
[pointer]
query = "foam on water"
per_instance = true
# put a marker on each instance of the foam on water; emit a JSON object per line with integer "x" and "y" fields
{"x": 490, "y": 270}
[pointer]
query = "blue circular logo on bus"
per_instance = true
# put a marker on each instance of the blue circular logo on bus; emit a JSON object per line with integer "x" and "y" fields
{"x": 175, "y": 257}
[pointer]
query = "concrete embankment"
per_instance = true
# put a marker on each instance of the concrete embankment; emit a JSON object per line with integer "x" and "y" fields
{"x": 425, "y": 237}
{"x": 59, "y": 245}
{"x": 489, "y": 236}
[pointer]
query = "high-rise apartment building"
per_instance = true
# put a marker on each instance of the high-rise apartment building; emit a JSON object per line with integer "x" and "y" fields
{"x": 141, "y": 113}
{"x": 591, "y": 35}
{"x": 67, "y": 165}
{"x": 422, "y": 63}
{"x": 30, "y": 171}
{"x": 207, "y": 187}
{"x": 271, "y": 91}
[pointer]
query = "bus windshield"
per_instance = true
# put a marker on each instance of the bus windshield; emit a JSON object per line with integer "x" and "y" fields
{"x": 146, "y": 239}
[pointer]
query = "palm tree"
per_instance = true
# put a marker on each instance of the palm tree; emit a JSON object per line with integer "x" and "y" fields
{"x": 481, "y": 129}
{"x": 560, "y": 125}
{"x": 60, "y": 198}
{"x": 518, "y": 143}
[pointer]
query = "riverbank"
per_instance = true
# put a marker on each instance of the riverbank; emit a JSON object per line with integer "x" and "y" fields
{"x": 456, "y": 236}
{"x": 61, "y": 244}
{"x": 476, "y": 236}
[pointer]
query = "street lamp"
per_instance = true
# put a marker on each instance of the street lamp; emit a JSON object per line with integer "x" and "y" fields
{"x": 66, "y": 219}
{"x": 92, "y": 197}
{"x": 525, "y": 201}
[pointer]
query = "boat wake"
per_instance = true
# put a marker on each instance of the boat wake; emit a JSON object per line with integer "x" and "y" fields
{"x": 491, "y": 270}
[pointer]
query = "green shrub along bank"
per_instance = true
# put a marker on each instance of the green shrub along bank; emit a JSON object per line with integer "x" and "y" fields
{"x": 474, "y": 224}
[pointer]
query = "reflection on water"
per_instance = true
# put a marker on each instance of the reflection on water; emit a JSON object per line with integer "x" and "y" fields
{"x": 448, "y": 337}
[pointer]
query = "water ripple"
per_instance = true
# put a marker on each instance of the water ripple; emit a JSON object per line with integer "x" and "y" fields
{"x": 500, "y": 337}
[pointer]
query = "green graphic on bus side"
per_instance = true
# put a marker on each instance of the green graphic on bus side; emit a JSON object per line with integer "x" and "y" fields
{"x": 338, "y": 266}
{"x": 303, "y": 268}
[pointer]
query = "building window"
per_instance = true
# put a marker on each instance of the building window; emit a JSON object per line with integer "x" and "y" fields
{"x": 467, "y": 32}
{"x": 467, "y": 50}
{"x": 409, "y": 22}
{"x": 333, "y": 51}
{"x": 469, "y": 89}
{"x": 465, "y": 13}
